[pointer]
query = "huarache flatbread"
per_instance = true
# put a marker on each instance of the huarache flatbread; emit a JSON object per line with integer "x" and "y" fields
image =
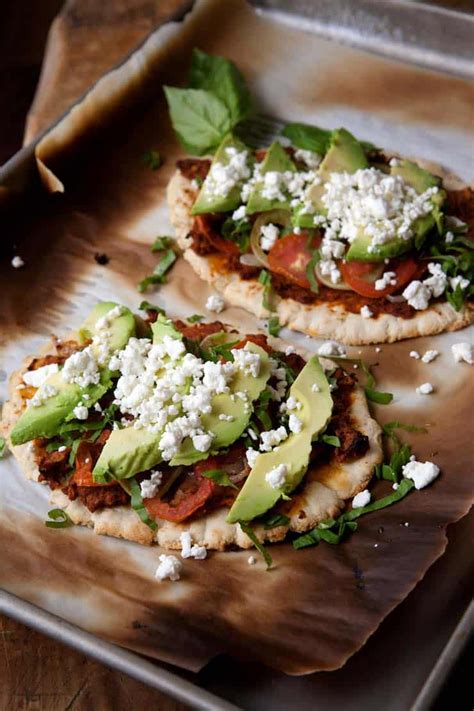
{"x": 65, "y": 459}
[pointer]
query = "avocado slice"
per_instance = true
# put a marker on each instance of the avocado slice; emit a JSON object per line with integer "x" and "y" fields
{"x": 420, "y": 180}
{"x": 207, "y": 201}
{"x": 276, "y": 160}
{"x": 118, "y": 460}
{"x": 345, "y": 155}
{"x": 257, "y": 496}
{"x": 46, "y": 419}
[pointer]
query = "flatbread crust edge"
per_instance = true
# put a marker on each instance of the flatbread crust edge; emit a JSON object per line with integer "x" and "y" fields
{"x": 321, "y": 320}
{"x": 326, "y": 489}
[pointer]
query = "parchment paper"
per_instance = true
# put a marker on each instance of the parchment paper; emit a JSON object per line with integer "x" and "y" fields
{"x": 318, "y": 606}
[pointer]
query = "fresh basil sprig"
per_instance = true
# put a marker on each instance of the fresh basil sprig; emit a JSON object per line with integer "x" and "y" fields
{"x": 215, "y": 101}
{"x": 247, "y": 528}
{"x": 318, "y": 140}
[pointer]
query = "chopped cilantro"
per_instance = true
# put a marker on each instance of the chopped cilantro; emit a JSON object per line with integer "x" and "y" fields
{"x": 219, "y": 476}
{"x": 332, "y": 440}
{"x": 3, "y": 446}
{"x": 247, "y": 528}
{"x": 195, "y": 318}
{"x": 168, "y": 258}
{"x": 136, "y": 501}
{"x": 148, "y": 306}
{"x": 58, "y": 519}
{"x": 152, "y": 159}
{"x": 274, "y": 326}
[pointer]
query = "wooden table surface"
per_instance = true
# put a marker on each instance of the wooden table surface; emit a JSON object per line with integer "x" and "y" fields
{"x": 36, "y": 672}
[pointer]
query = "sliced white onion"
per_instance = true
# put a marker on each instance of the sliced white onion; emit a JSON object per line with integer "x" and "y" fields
{"x": 398, "y": 299}
{"x": 250, "y": 260}
{"x": 326, "y": 280}
{"x": 279, "y": 217}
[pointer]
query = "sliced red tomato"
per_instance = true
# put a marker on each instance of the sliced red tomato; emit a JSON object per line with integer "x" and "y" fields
{"x": 191, "y": 495}
{"x": 290, "y": 256}
{"x": 361, "y": 276}
{"x": 86, "y": 457}
{"x": 204, "y": 224}
{"x": 258, "y": 338}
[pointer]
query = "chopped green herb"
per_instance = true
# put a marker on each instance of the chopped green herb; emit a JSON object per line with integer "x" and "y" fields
{"x": 274, "y": 326}
{"x": 152, "y": 159}
{"x": 390, "y": 427}
{"x": 266, "y": 279}
{"x": 247, "y": 528}
{"x": 195, "y": 318}
{"x": 3, "y": 446}
{"x": 311, "y": 276}
{"x": 158, "y": 277}
{"x": 162, "y": 243}
{"x": 148, "y": 306}
{"x": 378, "y": 397}
{"x": 136, "y": 501}
{"x": 261, "y": 409}
{"x": 219, "y": 476}
{"x": 370, "y": 382}
{"x": 238, "y": 231}
{"x": 58, "y": 519}
{"x": 331, "y": 440}
{"x": 272, "y": 520}
{"x": 309, "y": 138}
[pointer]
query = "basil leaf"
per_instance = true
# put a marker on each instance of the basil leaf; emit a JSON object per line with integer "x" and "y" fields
{"x": 332, "y": 440}
{"x": 221, "y": 77}
{"x": 147, "y": 306}
{"x": 158, "y": 276}
{"x": 195, "y": 318}
{"x": 378, "y": 397}
{"x": 59, "y": 519}
{"x": 3, "y": 446}
{"x": 162, "y": 243}
{"x": 219, "y": 476}
{"x": 310, "y": 138}
{"x": 274, "y": 326}
{"x": 200, "y": 119}
{"x": 246, "y": 528}
{"x": 136, "y": 502}
{"x": 272, "y": 520}
{"x": 152, "y": 159}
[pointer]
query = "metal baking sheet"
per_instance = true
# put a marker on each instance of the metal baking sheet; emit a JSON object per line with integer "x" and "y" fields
{"x": 288, "y": 683}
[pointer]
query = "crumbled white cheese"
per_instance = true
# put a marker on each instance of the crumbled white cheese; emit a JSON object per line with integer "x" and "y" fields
{"x": 17, "y": 262}
{"x": 315, "y": 388}
{"x": 44, "y": 393}
{"x": 331, "y": 348}
{"x": 311, "y": 159}
{"x": 462, "y": 352}
{"x": 247, "y": 361}
{"x": 80, "y": 412}
{"x": 98, "y": 407}
{"x": 295, "y": 424}
{"x": 395, "y": 486}
{"x": 387, "y": 279}
{"x": 272, "y": 438}
{"x": 150, "y": 486}
{"x": 190, "y": 550}
{"x": 62, "y": 448}
{"x": 415, "y": 355}
{"x": 459, "y": 281}
{"x": 365, "y": 312}
{"x": 224, "y": 177}
{"x": 215, "y": 303}
{"x": 449, "y": 237}
{"x": 361, "y": 499}
{"x": 276, "y": 477}
{"x": 37, "y": 377}
{"x": 170, "y": 567}
{"x": 425, "y": 389}
{"x": 268, "y": 236}
{"x": 429, "y": 356}
{"x": 289, "y": 350}
{"x": 418, "y": 295}
{"x": 251, "y": 455}
{"x": 421, "y": 473}
{"x": 81, "y": 368}
{"x": 202, "y": 442}
{"x": 239, "y": 214}
{"x": 251, "y": 560}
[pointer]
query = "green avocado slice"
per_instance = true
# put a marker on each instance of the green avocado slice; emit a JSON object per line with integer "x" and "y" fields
{"x": 207, "y": 201}
{"x": 46, "y": 419}
{"x": 257, "y": 496}
{"x": 118, "y": 460}
{"x": 276, "y": 160}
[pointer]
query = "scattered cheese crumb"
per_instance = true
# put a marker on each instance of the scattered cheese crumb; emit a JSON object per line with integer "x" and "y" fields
{"x": 276, "y": 477}
{"x": 315, "y": 388}
{"x": 395, "y": 486}
{"x": 215, "y": 303}
{"x": 331, "y": 348}
{"x": 188, "y": 550}
{"x": 429, "y": 356}
{"x": 150, "y": 486}
{"x": 169, "y": 567}
{"x": 425, "y": 389}
{"x": 37, "y": 377}
{"x": 268, "y": 236}
{"x": 365, "y": 312}
{"x": 462, "y": 352}
{"x": 62, "y": 448}
{"x": 421, "y": 473}
{"x": 251, "y": 560}
{"x": 406, "y": 524}
{"x": 415, "y": 355}
{"x": 295, "y": 424}
{"x": 378, "y": 349}
{"x": 81, "y": 412}
{"x": 17, "y": 262}
{"x": 361, "y": 499}
{"x": 289, "y": 350}
{"x": 251, "y": 455}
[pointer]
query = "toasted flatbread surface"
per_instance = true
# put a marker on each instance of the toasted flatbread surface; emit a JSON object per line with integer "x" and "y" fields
{"x": 323, "y": 494}
{"x": 321, "y": 320}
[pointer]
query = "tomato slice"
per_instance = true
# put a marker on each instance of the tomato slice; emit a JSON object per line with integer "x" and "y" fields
{"x": 86, "y": 457}
{"x": 192, "y": 493}
{"x": 290, "y": 256}
{"x": 258, "y": 338}
{"x": 204, "y": 224}
{"x": 361, "y": 276}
